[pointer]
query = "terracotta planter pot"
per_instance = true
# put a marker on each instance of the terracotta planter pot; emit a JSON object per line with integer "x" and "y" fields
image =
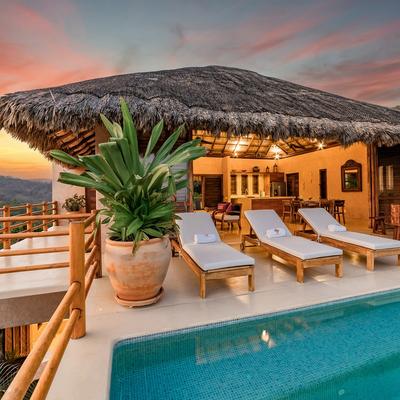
{"x": 137, "y": 278}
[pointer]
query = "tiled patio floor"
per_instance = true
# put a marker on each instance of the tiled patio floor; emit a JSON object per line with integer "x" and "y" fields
{"x": 84, "y": 371}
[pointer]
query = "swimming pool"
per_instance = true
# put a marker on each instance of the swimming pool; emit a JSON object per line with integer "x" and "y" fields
{"x": 343, "y": 350}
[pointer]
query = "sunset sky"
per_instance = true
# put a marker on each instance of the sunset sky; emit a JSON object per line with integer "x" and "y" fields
{"x": 347, "y": 47}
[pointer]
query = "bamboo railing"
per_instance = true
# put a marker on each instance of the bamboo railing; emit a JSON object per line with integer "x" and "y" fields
{"x": 22, "y": 225}
{"x": 84, "y": 264}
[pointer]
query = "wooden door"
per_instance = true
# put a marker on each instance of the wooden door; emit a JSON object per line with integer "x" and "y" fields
{"x": 388, "y": 177}
{"x": 212, "y": 193}
{"x": 323, "y": 184}
{"x": 293, "y": 184}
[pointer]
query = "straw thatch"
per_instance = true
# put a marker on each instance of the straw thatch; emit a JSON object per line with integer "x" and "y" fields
{"x": 212, "y": 98}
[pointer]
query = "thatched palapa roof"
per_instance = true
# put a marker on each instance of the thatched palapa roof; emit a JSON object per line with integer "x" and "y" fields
{"x": 213, "y": 99}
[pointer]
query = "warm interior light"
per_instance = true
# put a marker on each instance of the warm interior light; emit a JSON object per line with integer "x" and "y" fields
{"x": 321, "y": 145}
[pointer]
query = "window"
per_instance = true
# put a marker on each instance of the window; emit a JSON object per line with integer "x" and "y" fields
{"x": 389, "y": 177}
{"x": 245, "y": 185}
{"x": 381, "y": 182}
{"x": 233, "y": 184}
{"x": 255, "y": 184}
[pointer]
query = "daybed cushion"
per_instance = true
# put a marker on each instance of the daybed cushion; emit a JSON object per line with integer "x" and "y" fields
{"x": 193, "y": 223}
{"x": 216, "y": 256}
{"x": 319, "y": 219}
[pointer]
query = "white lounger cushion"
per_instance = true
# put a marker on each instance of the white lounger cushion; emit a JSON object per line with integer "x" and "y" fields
{"x": 305, "y": 249}
{"x": 302, "y": 248}
{"x": 208, "y": 256}
{"x": 196, "y": 223}
{"x": 364, "y": 240}
{"x": 319, "y": 219}
{"x": 216, "y": 255}
{"x": 263, "y": 220}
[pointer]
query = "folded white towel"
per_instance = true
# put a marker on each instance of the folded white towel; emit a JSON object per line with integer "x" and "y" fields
{"x": 276, "y": 232}
{"x": 202, "y": 238}
{"x": 336, "y": 228}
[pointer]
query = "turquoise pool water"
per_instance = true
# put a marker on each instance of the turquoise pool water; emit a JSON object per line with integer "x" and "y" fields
{"x": 343, "y": 350}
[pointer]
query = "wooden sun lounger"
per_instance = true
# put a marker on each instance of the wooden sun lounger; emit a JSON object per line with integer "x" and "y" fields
{"x": 302, "y": 264}
{"x": 370, "y": 254}
{"x": 299, "y": 263}
{"x": 222, "y": 273}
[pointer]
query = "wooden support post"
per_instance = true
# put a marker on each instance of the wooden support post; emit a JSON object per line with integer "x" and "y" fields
{"x": 300, "y": 271}
{"x": 55, "y": 212}
{"x": 44, "y": 212}
{"x": 97, "y": 242}
{"x": 6, "y": 225}
{"x": 17, "y": 340}
{"x": 339, "y": 269}
{"x": 203, "y": 286}
{"x": 190, "y": 186}
{"x": 251, "y": 281}
{"x": 29, "y": 224}
{"x": 77, "y": 274}
{"x": 370, "y": 261}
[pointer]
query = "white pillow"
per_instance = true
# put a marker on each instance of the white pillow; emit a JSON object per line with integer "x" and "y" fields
{"x": 276, "y": 232}
{"x": 336, "y": 228}
{"x": 202, "y": 238}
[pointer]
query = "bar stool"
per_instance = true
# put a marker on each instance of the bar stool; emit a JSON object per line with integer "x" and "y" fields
{"x": 338, "y": 210}
{"x": 296, "y": 204}
{"x": 287, "y": 210}
{"x": 378, "y": 224}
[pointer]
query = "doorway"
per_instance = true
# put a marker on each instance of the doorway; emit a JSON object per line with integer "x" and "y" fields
{"x": 207, "y": 189}
{"x": 293, "y": 184}
{"x": 323, "y": 184}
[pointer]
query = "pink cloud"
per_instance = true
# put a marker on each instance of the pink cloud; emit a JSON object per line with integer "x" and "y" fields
{"x": 36, "y": 51}
{"x": 346, "y": 39}
{"x": 373, "y": 81}
{"x": 251, "y": 37}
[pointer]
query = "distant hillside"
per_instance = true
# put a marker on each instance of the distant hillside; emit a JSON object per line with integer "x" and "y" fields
{"x": 20, "y": 191}
{"x": 397, "y": 107}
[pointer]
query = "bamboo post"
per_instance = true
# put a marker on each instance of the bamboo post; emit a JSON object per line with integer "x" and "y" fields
{"x": 77, "y": 274}
{"x": 6, "y": 225}
{"x": 190, "y": 186}
{"x": 29, "y": 224}
{"x": 55, "y": 212}
{"x": 44, "y": 212}
{"x": 97, "y": 242}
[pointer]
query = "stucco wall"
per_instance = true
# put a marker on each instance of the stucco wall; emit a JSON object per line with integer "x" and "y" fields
{"x": 308, "y": 166}
{"x": 60, "y": 191}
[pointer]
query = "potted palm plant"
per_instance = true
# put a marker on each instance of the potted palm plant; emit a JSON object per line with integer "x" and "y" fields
{"x": 138, "y": 198}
